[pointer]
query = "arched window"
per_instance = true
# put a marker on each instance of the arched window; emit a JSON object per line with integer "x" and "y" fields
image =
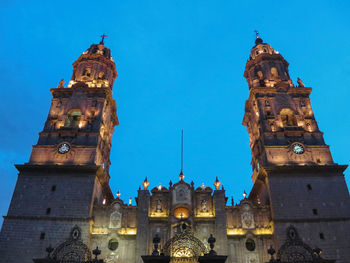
{"x": 87, "y": 72}
{"x": 73, "y": 119}
{"x": 288, "y": 117}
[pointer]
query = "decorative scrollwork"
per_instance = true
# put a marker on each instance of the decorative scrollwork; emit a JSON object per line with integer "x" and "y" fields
{"x": 73, "y": 249}
{"x": 294, "y": 250}
{"x": 184, "y": 244}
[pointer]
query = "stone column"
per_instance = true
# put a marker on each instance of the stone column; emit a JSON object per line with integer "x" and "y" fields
{"x": 220, "y": 222}
{"x": 142, "y": 225}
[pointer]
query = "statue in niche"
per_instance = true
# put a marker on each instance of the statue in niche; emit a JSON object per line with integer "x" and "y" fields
{"x": 101, "y": 75}
{"x": 60, "y": 84}
{"x": 300, "y": 83}
{"x": 159, "y": 206}
{"x": 204, "y": 207}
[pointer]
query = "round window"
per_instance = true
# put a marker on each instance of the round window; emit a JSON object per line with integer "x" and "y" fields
{"x": 250, "y": 244}
{"x": 113, "y": 244}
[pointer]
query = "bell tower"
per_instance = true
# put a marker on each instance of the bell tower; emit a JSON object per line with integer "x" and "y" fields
{"x": 293, "y": 170}
{"x": 278, "y": 115}
{"x": 68, "y": 170}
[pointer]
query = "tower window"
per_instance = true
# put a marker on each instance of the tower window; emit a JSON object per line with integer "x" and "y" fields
{"x": 309, "y": 187}
{"x": 42, "y": 235}
{"x": 48, "y": 211}
{"x": 267, "y": 103}
{"x": 87, "y": 72}
{"x": 73, "y": 119}
{"x": 274, "y": 72}
{"x": 288, "y": 117}
{"x": 321, "y": 236}
{"x": 314, "y": 211}
{"x": 53, "y": 188}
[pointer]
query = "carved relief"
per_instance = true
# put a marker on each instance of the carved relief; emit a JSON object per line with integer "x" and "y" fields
{"x": 181, "y": 194}
{"x": 247, "y": 217}
{"x": 115, "y": 219}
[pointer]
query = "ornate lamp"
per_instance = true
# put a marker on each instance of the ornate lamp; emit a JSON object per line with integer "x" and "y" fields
{"x": 217, "y": 184}
{"x": 145, "y": 184}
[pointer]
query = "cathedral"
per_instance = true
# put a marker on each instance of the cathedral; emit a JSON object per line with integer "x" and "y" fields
{"x": 62, "y": 207}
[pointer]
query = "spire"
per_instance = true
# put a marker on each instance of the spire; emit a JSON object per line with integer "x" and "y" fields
{"x": 181, "y": 175}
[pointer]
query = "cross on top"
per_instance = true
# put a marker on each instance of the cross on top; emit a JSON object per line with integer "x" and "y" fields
{"x": 256, "y": 33}
{"x": 103, "y": 37}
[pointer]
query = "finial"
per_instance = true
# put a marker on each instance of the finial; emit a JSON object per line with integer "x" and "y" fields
{"x": 160, "y": 186}
{"x": 244, "y": 194}
{"x": 271, "y": 251}
{"x": 181, "y": 176}
{"x": 156, "y": 241}
{"x": 258, "y": 40}
{"x": 170, "y": 183}
{"x": 102, "y": 40}
{"x": 211, "y": 241}
{"x": 217, "y": 184}
{"x": 130, "y": 201}
{"x": 118, "y": 194}
{"x": 232, "y": 201}
{"x": 203, "y": 186}
{"x": 145, "y": 184}
{"x": 96, "y": 252}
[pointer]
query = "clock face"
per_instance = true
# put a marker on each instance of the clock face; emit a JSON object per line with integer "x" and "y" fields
{"x": 298, "y": 148}
{"x": 63, "y": 148}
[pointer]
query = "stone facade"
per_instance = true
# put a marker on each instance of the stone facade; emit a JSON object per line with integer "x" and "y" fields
{"x": 62, "y": 197}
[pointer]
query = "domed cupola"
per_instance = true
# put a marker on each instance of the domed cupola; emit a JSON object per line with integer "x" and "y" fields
{"x": 95, "y": 67}
{"x": 266, "y": 67}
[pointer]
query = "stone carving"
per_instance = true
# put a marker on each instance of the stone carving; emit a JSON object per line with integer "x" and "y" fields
{"x": 115, "y": 219}
{"x": 73, "y": 249}
{"x": 60, "y": 84}
{"x": 300, "y": 83}
{"x": 294, "y": 249}
{"x": 184, "y": 244}
{"x": 181, "y": 194}
{"x": 159, "y": 206}
{"x": 204, "y": 207}
{"x": 247, "y": 218}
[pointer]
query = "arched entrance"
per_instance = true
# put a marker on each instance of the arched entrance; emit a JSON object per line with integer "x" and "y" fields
{"x": 184, "y": 247}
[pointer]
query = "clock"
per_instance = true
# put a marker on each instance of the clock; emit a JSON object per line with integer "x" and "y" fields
{"x": 63, "y": 148}
{"x": 298, "y": 148}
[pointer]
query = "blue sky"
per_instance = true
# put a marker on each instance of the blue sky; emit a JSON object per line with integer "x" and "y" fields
{"x": 180, "y": 66}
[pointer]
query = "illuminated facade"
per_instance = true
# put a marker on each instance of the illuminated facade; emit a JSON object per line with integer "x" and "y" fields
{"x": 299, "y": 200}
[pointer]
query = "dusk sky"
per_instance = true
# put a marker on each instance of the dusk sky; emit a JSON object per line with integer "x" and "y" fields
{"x": 180, "y": 66}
